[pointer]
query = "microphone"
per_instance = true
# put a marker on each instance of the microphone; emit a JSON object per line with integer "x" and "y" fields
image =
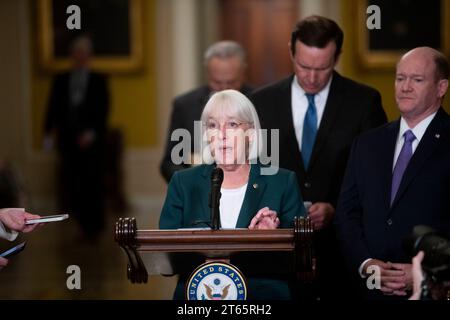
{"x": 214, "y": 197}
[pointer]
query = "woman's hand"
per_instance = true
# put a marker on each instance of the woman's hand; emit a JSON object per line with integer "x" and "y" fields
{"x": 265, "y": 219}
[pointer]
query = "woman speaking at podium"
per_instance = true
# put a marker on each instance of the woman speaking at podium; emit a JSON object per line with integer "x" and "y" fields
{"x": 253, "y": 196}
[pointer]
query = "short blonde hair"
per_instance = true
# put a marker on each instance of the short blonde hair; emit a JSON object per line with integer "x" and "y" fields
{"x": 238, "y": 105}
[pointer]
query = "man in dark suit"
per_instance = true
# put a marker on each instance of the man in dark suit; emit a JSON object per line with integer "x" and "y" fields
{"x": 77, "y": 116}
{"x": 318, "y": 113}
{"x": 398, "y": 176}
{"x": 225, "y": 65}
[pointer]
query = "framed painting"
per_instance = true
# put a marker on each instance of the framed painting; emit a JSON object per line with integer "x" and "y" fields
{"x": 404, "y": 25}
{"x": 114, "y": 26}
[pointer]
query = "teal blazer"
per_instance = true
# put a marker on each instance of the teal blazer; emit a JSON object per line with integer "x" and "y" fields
{"x": 188, "y": 197}
{"x": 187, "y": 203}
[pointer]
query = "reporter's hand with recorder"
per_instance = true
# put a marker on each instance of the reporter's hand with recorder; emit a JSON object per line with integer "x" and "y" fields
{"x": 15, "y": 219}
{"x": 12, "y": 221}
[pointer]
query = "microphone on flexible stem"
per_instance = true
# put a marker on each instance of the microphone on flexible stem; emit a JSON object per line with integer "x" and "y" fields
{"x": 214, "y": 197}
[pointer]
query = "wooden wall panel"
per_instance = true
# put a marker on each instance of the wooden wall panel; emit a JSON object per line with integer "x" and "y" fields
{"x": 263, "y": 27}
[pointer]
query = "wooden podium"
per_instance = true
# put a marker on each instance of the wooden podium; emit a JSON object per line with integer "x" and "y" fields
{"x": 217, "y": 245}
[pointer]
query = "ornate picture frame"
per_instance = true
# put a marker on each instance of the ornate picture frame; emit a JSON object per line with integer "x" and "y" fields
{"x": 115, "y": 28}
{"x": 404, "y": 25}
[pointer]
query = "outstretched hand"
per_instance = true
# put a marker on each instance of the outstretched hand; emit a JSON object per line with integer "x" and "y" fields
{"x": 15, "y": 219}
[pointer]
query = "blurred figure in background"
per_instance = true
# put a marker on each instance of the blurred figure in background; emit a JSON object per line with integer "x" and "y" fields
{"x": 12, "y": 192}
{"x": 116, "y": 198}
{"x": 77, "y": 117}
{"x": 225, "y": 64}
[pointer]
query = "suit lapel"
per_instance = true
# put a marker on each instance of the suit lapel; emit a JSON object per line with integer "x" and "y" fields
{"x": 285, "y": 99}
{"x": 205, "y": 186}
{"x": 386, "y": 161}
{"x": 286, "y": 113}
{"x": 255, "y": 189}
{"x": 334, "y": 102}
{"x": 203, "y": 98}
{"x": 430, "y": 140}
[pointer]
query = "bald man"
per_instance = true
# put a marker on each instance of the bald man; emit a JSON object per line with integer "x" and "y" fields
{"x": 398, "y": 176}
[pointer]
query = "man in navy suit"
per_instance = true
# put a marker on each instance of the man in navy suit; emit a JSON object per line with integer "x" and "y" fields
{"x": 398, "y": 176}
{"x": 318, "y": 113}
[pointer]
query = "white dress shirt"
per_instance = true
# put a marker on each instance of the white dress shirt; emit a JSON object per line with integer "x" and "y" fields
{"x": 418, "y": 131}
{"x": 78, "y": 82}
{"x": 299, "y": 103}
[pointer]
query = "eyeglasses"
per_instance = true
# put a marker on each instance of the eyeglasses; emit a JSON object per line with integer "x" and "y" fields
{"x": 228, "y": 125}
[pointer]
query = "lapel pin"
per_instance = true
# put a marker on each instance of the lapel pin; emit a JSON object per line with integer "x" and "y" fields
{"x": 255, "y": 186}
{"x": 437, "y": 135}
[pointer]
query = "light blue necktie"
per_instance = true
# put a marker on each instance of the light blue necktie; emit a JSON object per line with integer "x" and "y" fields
{"x": 402, "y": 162}
{"x": 309, "y": 130}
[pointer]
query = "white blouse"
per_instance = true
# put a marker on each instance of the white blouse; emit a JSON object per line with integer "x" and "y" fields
{"x": 230, "y": 206}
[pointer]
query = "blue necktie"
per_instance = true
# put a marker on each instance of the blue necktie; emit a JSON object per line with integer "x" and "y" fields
{"x": 402, "y": 162}
{"x": 309, "y": 130}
